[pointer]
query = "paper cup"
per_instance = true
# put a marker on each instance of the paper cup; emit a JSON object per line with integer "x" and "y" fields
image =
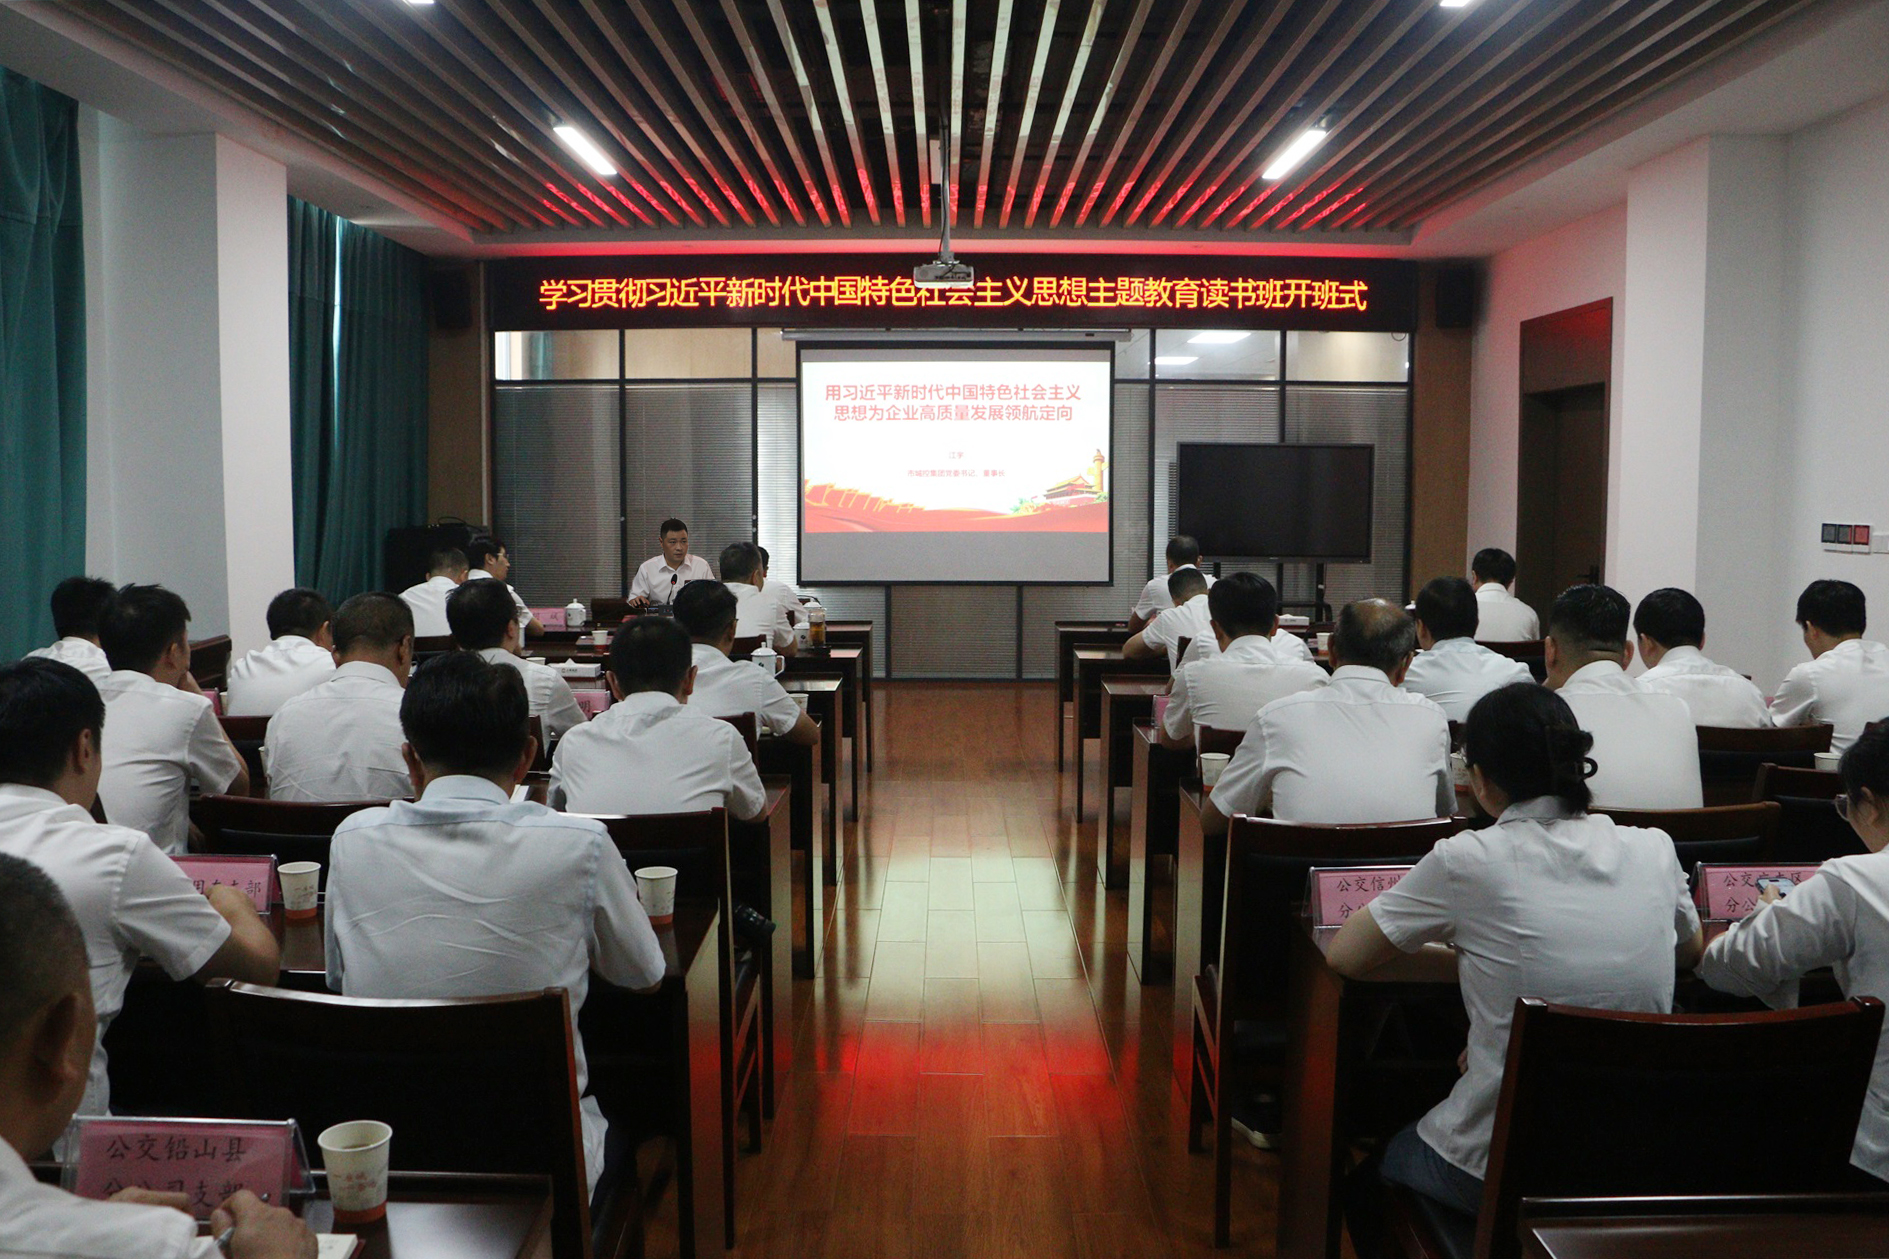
{"x": 355, "y": 1155}
{"x": 1323, "y": 642}
{"x": 537, "y": 659}
{"x": 300, "y": 881}
{"x": 1212, "y": 765}
{"x": 1459, "y": 769}
{"x": 800, "y": 698}
{"x": 1829, "y": 760}
{"x": 656, "y": 888}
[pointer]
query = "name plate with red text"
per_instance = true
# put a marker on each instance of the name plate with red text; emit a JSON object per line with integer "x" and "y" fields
{"x": 592, "y": 702}
{"x": 254, "y": 877}
{"x": 205, "y": 1159}
{"x": 1726, "y": 891}
{"x": 1334, "y": 895}
{"x": 551, "y": 618}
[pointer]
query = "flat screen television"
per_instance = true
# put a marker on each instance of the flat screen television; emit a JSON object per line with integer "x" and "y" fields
{"x": 1254, "y": 501}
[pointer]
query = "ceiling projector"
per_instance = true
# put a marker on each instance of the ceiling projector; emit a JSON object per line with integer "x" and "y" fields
{"x": 944, "y": 273}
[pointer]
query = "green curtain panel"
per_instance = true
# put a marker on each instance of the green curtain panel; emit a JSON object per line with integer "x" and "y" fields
{"x": 42, "y": 357}
{"x": 312, "y": 233}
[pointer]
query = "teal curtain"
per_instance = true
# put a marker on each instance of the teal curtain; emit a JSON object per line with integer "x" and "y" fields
{"x": 312, "y": 295}
{"x": 42, "y": 357}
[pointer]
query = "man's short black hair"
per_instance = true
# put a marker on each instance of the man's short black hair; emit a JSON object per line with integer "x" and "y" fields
{"x": 1448, "y": 609}
{"x": 374, "y": 621}
{"x": 1494, "y": 564}
{"x": 482, "y": 549}
{"x": 1671, "y": 617}
{"x": 1244, "y": 603}
{"x": 1183, "y": 550}
{"x": 1835, "y": 607}
{"x": 651, "y": 653}
{"x": 464, "y": 715}
{"x": 1589, "y": 619}
{"x": 78, "y": 604}
{"x": 445, "y": 561}
{"x": 672, "y": 525}
{"x": 42, "y": 949}
{"x": 765, "y": 561}
{"x": 1185, "y": 583}
{"x": 478, "y": 612}
{"x": 139, "y": 624}
{"x": 298, "y": 610}
{"x": 44, "y": 706}
{"x": 1374, "y": 633}
{"x": 740, "y": 561}
{"x": 706, "y": 609}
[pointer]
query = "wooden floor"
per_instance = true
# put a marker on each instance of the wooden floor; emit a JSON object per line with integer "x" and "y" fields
{"x": 978, "y": 1071}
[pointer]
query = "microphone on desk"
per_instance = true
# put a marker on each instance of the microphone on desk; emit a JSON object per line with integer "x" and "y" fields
{"x": 672, "y": 586}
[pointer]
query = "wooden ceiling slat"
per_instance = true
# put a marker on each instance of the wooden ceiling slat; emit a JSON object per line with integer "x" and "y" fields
{"x": 993, "y": 105}
{"x": 1085, "y": 46}
{"x": 888, "y": 131}
{"x": 1045, "y": 36}
{"x": 729, "y": 81}
{"x": 954, "y": 160}
{"x": 921, "y": 126}
{"x": 1127, "y": 125}
{"x": 1124, "y": 54}
{"x": 798, "y": 66}
{"x": 843, "y": 96}
{"x": 750, "y": 44}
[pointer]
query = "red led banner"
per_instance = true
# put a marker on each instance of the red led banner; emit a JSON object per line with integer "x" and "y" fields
{"x": 877, "y": 291}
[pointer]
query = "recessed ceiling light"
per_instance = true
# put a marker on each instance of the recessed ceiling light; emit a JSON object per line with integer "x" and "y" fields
{"x": 1454, "y": 4}
{"x": 1175, "y": 360}
{"x": 586, "y": 150}
{"x": 422, "y": 3}
{"x": 1217, "y": 338}
{"x": 1302, "y": 147}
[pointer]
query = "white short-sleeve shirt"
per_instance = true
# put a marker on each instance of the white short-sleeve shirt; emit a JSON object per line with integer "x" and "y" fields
{"x": 1838, "y": 919}
{"x": 260, "y": 680}
{"x": 1457, "y": 672}
{"x": 157, "y": 741}
{"x": 1190, "y": 621}
{"x": 783, "y": 593}
{"x": 1645, "y": 745}
{"x": 548, "y": 694}
{"x": 130, "y": 899}
{"x": 463, "y": 893}
{"x": 1717, "y": 696}
{"x": 1502, "y": 618}
{"x": 1355, "y": 750}
{"x": 40, "y": 1221}
{"x": 1155, "y": 597}
{"x": 341, "y": 740}
{"x": 1226, "y": 690}
{"x": 427, "y": 602}
{"x": 647, "y": 753}
{"x": 1563, "y": 907}
{"x": 659, "y": 581}
{"x": 729, "y": 688}
{"x": 1847, "y": 686}
{"x": 757, "y": 612}
{"x": 81, "y": 653}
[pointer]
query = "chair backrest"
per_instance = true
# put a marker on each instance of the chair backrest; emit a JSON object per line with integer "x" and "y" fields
{"x": 210, "y": 661}
{"x": 478, "y": 1084}
{"x": 745, "y": 646}
{"x": 1730, "y": 757}
{"x": 1722, "y": 833}
{"x": 1181, "y": 645}
{"x": 1267, "y": 861}
{"x": 542, "y": 761}
{"x": 609, "y": 610}
{"x": 749, "y": 728}
{"x": 246, "y": 735}
{"x": 290, "y": 830}
{"x": 1808, "y": 826}
{"x": 1209, "y": 739}
{"x": 696, "y": 844}
{"x": 1600, "y": 1103}
{"x": 433, "y": 645}
{"x": 1529, "y": 651}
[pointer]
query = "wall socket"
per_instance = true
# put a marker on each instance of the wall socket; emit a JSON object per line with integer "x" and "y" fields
{"x": 1856, "y": 539}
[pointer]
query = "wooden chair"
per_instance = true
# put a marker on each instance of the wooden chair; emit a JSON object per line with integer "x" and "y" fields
{"x": 1208, "y": 739}
{"x": 1600, "y": 1103}
{"x": 745, "y": 646}
{"x": 437, "y": 645}
{"x": 246, "y": 734}
{"x": 749, "y": 728}
{"x": 1736, "y": 833}
{"x": 210, "y": 662}
{"x": 1529, "y": 651}
{"x": 1730, "y": 757}
{"x": 1808, "y": 826}
{"x": 609, "y": 610}
{"x": 478, "y": 1084}
{"x": 541, "y": 762}
{"x": 1180, "y": 647}
{"x": 1267, "y": 862}
{"x": 289, "y": 830}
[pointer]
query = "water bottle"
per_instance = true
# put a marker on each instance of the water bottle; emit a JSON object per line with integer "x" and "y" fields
{"x": 575, "y": 614}
{"x": 816, "y": 626}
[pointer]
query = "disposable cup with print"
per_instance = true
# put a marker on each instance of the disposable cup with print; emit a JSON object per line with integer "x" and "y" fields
{"x": 656, "y": 888}
{"x": 1829, "y": 760}
{"x": 355, "y": 1155}
{"x": 1324, "y": 642}
{"x": 1212, "y": 765}
{"x": 300, "y": 883}
{"x": 801, "y": 699}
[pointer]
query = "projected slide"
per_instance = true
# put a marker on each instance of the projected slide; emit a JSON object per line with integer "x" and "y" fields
{"x": 966, "y": 464}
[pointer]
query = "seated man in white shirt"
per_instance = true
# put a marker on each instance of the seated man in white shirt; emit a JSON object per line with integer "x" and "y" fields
{"x": 480, "y": 612}
{"x": 1360, "y": 749}
{"x": 1670, "y": 627}
{"x": 649, "y": 752}
{"x": 164, "y": 734}
{"x": 130, "y": 899}
{"x": 463, "y": 893}
{"x": 1644, "y": 742}
{"x": 78, "y": 603}
{"x": 1503, "y": 618}
{"x": 661, "y": 577}
{"x": 488, "y": 557}
{"x": 1452, "y": 668}
{"x": 728, "y": 688}
{"x": 300, "y": 654}
{"x": 444, "y": 572}
{"x": 341, "y": 740}
{"x": 1846, "y": 680}
{"x": 782, "y": 591}
{"x": 1226, "y": 690}
{"x": 757, "y": 613}
{"x": 1182, "y": 552}
{"x": 47, "y": 1030}
{"x": 1189, "y": 618}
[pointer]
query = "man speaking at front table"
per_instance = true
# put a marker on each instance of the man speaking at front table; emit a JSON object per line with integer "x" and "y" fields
{"x": 662, "y": 577}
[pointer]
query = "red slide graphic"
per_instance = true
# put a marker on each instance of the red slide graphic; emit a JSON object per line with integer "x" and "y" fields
{"x": 1076, "y": 505}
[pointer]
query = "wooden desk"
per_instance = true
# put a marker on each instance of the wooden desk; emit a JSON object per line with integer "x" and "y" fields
{"x": 823, "y": 705}
{"x": 1092, "y": 665}
{"x": 1069, "y": 636}
{"x": 1125, "y": 701}
{"x": 1810, "y": 1226}
{"x": 858, "y": 634}
{"x": 808, "y": 902}
{"x": 760, "y": 860}
{"x": 1154, "y": 819}
{"x": 844, "y": 664}
{"x": 445, "y": 1215}
{"x": 1200, "y": 876}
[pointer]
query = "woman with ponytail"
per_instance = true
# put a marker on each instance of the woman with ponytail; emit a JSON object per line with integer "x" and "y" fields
{"x": 1550, "y": 902}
